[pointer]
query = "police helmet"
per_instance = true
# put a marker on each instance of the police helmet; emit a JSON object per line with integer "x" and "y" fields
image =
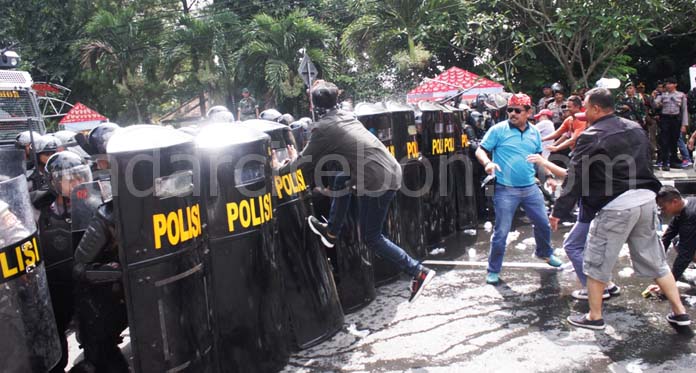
{"x": 286, "y": 119}
{"x": 325, "y": 95}
{"x": 270, "y": 114}
{"x": 219, "y": 113}
{"x": 66, "y": 137}
{"x": 67, "y": 167}
{"x": 99, "y": 136}
{"x": 24, "y": 138}
{"x": 46, "y": 144}
{"x": 557, "y": 87}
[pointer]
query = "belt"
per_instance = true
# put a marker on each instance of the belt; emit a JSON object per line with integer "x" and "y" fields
{"x": 670, "y": 115}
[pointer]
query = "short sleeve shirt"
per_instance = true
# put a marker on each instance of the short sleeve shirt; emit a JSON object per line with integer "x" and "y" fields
{"x": 510, "y": 148}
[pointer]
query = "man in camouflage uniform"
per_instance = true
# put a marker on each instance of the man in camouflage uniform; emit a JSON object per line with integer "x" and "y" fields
{"x": 247, "y": 108}
{"x": 630, "y": 106}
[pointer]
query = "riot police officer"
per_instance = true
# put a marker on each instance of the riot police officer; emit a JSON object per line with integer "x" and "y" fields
{"x": 219, "y": 113}
{"x": 44, "y": 147}
{"x": 23, "y": 142}
{"x": 100, "y": 306}
{"x": 64, "y": 171}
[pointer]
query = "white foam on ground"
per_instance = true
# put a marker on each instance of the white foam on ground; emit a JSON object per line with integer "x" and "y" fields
{"x": 512, "y": 237}
{"x": 567, "y": 224}
{"x": 470, "y": 232}
{"x": 626, "y": 272}
{"x": 488, "y": 226}
{"x": 529, "y": 241}
{"x": 521, "y": 246}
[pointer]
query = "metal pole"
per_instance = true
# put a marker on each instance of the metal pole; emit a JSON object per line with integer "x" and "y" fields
{"x": 311, "y": 102}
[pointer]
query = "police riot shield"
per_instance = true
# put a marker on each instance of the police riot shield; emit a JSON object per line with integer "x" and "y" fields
{"x": 461, "y": 172}
{"x": 309, "y": 289}
{"x": 161, "y": 249}
{"x": 408, "y": 199}
{"x": 351, "y": 261}
{"x": 249, "y": 315}
{"x": 433, "y": 150}
{"x": 377, "y": 120}
{"x": 84, "y": 201}
{"x": 446, "y": 173}
{"x": 29, "y": 341}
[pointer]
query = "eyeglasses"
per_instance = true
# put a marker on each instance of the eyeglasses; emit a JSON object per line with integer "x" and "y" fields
{"x": 516, "y": 110}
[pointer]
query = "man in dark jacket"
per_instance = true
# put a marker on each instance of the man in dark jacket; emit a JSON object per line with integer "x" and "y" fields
{"x": 367, "y": 166}
{"x": 610, "y": 173}
{"x": 682, "y": 225}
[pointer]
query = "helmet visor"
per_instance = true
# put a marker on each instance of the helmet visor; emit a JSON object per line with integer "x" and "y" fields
{"x": 65, "y": 180}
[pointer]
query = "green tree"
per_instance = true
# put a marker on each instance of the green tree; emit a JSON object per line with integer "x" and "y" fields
{"x": 272, "y": 51}
{"x": 392, "y": 31}
{"x": 587, "y": 38}
{"x": 123, "y": 47}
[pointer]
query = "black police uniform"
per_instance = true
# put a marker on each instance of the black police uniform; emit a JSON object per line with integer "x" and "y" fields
{"x": 100, "y": 306}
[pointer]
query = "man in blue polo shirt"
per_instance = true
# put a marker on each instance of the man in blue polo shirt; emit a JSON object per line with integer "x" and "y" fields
{"x": 510, "y": 142}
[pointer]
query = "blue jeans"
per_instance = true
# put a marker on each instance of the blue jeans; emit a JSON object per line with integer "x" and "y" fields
{"x": 506, "y": 200}
{"x": 373, "y": 211}
{"x": 683, "y": 149}
{"x": 574, "y": 246}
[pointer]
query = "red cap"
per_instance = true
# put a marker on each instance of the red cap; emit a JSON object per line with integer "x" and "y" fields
{"x": 519, "y": 99}
{"x": 546, "y": 112}
{"x": 581, "y": 117}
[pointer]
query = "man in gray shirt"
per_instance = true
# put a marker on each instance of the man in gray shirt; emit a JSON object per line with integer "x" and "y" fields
{"x": 371, "y": 169}
{"x": 674, "y": 120}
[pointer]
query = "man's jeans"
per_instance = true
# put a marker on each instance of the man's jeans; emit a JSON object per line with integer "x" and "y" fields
{"x": 574, "y": 246}
{"x": 683, "y": 149}
{"x": 506, "y": 200}
{"x": 373, "y": 211}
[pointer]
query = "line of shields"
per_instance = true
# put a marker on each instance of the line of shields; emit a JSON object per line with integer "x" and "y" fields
{"x": 220, "y": 270}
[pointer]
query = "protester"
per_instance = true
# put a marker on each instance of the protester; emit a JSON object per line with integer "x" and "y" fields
{"x": 572, "y": 126}
{"x": 511, "y": 142}
{"x": 611, "y": 174}
{"x": 574, "y": 243}
{"x": 683, "y": 225}
{"x": 545, "y": 127}
{"x": 374, "y": 173}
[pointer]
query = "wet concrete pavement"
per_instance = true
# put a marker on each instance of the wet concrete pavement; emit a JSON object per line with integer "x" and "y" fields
{"x": 462, "y": 324}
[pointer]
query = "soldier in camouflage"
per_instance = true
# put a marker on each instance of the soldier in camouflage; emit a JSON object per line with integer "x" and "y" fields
{"x": 629, "y": 105}
{"x": 247, "y": 108}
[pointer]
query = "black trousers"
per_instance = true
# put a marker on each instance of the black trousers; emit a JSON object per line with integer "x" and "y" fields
{"x": 670, "y": 130}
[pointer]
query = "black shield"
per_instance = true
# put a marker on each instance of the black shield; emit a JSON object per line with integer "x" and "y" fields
{"x": 162, "y": 249}
{"x": 408, "y": 199}
{"x": 309, "y": 289}
{"x": 250, "y": 318}
{"x": 447, "y": 175}
{"x": 433, "y": 150}
{"x": 29, "y": 341}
